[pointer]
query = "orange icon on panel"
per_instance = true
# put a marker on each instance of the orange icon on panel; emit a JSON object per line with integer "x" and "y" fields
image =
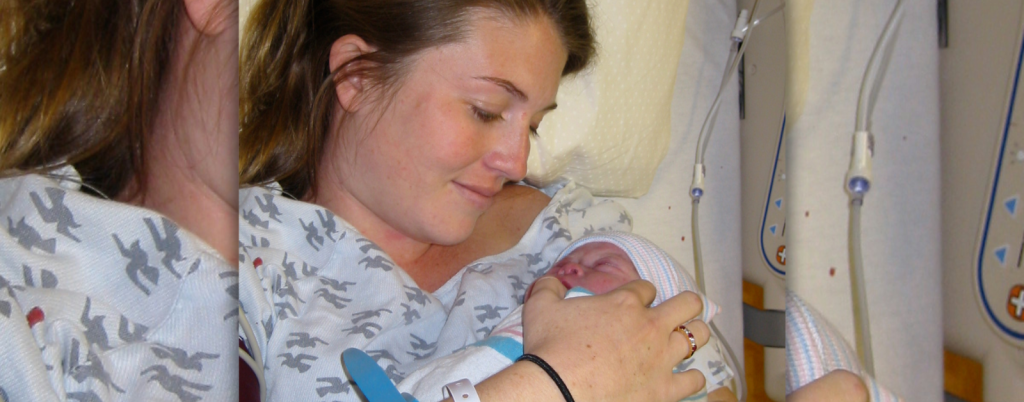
{"x": 780, "y": 255}
{"x": 1015, "y": 303}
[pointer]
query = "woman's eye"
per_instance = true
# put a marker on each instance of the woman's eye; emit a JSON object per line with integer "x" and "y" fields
{"x": 484, "y": 115}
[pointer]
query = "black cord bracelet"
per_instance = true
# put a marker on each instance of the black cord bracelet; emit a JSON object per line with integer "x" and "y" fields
{"x": 551, "y": 373}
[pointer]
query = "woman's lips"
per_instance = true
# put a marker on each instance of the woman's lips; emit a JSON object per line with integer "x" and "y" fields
{"x": 479, "y": 195}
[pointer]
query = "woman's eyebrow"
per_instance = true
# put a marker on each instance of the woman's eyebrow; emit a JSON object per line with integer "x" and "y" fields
{"x": 513, "y": 90}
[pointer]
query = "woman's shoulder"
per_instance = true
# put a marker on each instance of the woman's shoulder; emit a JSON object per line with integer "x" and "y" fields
{"x": 514, "y": 210}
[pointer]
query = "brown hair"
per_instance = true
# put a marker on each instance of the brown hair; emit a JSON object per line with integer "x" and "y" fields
{"x": 79, "y": 85}
{"x": 287, "y": 89}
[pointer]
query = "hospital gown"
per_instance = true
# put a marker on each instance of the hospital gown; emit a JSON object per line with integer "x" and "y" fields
{"x": 103, "y": 301}
{"x": 312, "y": 286}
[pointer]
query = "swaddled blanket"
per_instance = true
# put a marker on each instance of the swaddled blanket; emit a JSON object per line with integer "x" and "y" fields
{"x": 814, "y": 348}
{"x": 312, "y": 286}
{"x": 505, "y": 344}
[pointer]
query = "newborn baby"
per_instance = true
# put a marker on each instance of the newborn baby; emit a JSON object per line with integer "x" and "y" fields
{"x": 594, "y": 264}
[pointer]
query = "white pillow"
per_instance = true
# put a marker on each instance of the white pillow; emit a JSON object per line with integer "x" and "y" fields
{"x": 612, "y": 126}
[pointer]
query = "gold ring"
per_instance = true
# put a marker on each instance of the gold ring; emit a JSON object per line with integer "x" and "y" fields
{"x": 689, "y": 335}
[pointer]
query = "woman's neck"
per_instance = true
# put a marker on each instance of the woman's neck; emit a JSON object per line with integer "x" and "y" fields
{"x": 191, "y": 155}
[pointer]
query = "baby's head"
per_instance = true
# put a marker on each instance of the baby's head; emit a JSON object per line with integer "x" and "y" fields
{"x": 604, "y": 261}
{"x": 598, "y": 267}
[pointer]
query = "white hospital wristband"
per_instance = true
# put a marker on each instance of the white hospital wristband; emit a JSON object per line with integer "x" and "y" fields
{"x": 461, "y": 391}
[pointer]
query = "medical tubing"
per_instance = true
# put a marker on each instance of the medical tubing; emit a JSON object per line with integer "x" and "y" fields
{"x": 698, "y": 258}
{"x": 709, "y": 121}
{"x": 860, "y": 307}
{"x": 871, "y": 74}
{"x": 767, "y": 15}
{"x": 698, "y": 261}
{"x": 255, "y": 361}
{"x": 733, "y": 56}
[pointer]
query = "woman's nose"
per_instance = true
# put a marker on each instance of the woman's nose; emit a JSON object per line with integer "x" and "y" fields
{"x": 511, "y": 151}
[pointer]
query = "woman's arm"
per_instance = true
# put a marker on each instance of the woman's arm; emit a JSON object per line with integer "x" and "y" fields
{"x": 587, "y": 350}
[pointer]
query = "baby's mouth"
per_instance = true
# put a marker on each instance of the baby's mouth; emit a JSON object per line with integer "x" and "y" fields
{"x": 565, "y": 283}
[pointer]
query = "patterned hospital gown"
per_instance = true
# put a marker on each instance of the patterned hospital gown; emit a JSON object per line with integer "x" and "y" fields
{"x": 102, "y": 301}
{"x": 312, "y": 286}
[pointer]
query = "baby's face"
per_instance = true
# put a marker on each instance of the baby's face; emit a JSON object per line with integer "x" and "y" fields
{"x": 599, "y": 267}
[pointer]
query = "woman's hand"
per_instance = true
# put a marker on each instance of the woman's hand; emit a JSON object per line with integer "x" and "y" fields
{"x": 611, "y": 347}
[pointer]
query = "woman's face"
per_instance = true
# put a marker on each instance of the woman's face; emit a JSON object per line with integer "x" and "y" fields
{"x": 428, "y": 164}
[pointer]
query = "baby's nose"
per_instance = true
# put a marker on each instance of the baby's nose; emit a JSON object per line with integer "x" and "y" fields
{"x": 571, "y": 269}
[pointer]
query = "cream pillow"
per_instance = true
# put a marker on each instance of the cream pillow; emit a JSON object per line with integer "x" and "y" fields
{"x": 612, "y": 126}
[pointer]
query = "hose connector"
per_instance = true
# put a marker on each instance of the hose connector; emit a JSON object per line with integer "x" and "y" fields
{"x": 697, "y": 188}
{"x": 858, "y": 178}
{"x": 740, "y": 28}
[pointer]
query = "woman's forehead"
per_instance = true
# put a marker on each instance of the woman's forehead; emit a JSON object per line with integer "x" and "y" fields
{"x": 528, "y": 53}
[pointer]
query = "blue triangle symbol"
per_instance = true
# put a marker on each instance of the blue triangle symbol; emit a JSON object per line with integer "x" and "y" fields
{"x": 1011, "y": 205}
{"x": 772, "y": 228}
{"x": 778, "y": 203}
{"x": 1001, "y": 255}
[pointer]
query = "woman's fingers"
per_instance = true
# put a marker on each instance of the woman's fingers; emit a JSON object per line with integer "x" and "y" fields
{"x": 547, "y": 288}
{"x": 640, "y": 289}
{"x": 686, "y": 384}
{"x": 680, "y": 342}
{"x": 680, "y": 308}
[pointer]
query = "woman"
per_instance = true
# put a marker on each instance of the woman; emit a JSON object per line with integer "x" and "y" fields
{"x": 399, "y": 124}
{"x": 118, "y": 125}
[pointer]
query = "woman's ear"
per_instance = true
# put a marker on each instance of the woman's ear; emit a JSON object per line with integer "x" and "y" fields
{"x": 343, "y": 51}
{"x": 209, "y": 17}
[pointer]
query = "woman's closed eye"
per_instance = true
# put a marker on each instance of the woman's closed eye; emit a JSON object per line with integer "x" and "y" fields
{"x": 488, "y": 117}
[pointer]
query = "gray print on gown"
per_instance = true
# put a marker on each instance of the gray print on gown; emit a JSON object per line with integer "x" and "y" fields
{"x": 57, "y": 212}
{"x": 409, "y": 315}
{"x": 366, "y": 329}
{"x": 416, "y": 295}
{"x": 138, "y": 262}
{"x": 296, "y": 362}
{"x": 303, "y": 340}
{"x": 335, "y": 386}
{"x": 175, "y": 384}
{"x": 29, "y": 238}
{"x": 129, "y": 335}
{"x": 253, "y": 219}
{"x": 269, "y": 207}
{"x": 312, "y": 234}
{"x": 169, "y": 244}
{"x": 181, "y": 358}
{"x": 95, "y": 371}
{"x": 95, "y": 332}
{"x": 363, "y": 315}
{"x": 337, "y": 301}
{"x": 489, "y": 312}
{"x": 330, "y": 226}
{"x": 47, "y": 280}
